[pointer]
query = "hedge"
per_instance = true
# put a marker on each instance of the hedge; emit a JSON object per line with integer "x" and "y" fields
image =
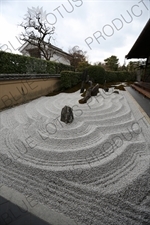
{"x": 97, "y": 74}
{"x": 18, "y": 64}
{"x": 120, "y": 76}
{"x": 70, "y": 79}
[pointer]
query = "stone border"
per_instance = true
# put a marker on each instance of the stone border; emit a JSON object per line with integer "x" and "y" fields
{"x": 140, "y": 115}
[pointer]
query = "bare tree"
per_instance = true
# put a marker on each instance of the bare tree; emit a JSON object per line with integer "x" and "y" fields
{"x": 77, "y": 56}
{"x": 37, "y": 32}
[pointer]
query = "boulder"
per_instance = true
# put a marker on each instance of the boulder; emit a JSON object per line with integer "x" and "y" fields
{"x": 88, "y": 93}
{"x": 87, "y": 96}
{"x": 106, "y": 89}
{"x": 95, "y": 90}
{"x": 67, "y": 114}
{"x": 116, "y": 92}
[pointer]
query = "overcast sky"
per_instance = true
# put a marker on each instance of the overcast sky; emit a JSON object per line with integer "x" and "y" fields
{"x": 101, "y": 28}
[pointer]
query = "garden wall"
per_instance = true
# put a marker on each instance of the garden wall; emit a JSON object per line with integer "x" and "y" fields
{"x": 15, "y": 92}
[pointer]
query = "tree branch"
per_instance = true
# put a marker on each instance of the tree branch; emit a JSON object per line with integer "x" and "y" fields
{"x": 37, "y": 33}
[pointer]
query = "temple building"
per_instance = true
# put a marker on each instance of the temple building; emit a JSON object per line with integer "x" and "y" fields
{"x": 141, "y": 50}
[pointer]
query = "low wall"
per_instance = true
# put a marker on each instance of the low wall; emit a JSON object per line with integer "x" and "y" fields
{"x": 14, "y": 92}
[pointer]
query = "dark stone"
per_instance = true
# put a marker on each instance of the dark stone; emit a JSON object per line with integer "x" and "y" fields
{"x": 106, "y": 89}
{"x": 95, "y": 90}
{"x": 91, "y": 91}
{"x": 116, "y": 92}
{"x": 67, "y": 114}
{"x": 84, "y": 75}
{"x": 87, "y": 96}
{"x": 85, "y": 79}
{"x": 82, "y": 87}
{"x": 90, "y": 83}
{"x": 88, "y": 93}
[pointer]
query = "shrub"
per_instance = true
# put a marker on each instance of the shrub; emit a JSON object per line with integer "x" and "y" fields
{"x": 111, "y": 76}
{"x": 119, "y": 76}
{"x": 65, "y": 80}
{"x": 62, "y": 67}
{"x": 70, "y": 79}
{"x": 18, "y": 64}
{"x": 10, "y": 63}
{"x": 96, "y": 74}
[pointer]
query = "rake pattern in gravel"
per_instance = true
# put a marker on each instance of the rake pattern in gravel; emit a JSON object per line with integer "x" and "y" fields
{"x": 94, "y": 170}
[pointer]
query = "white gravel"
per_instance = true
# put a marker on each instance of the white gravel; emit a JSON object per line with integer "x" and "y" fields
{"x": 95, "y": 170}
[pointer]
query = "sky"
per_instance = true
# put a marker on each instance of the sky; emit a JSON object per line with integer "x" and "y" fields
{"x": 101, "y": 28}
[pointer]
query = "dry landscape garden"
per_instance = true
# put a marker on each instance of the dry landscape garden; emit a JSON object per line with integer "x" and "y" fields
{"x": 74, "y": 143}
{"x": 94, "y": 170}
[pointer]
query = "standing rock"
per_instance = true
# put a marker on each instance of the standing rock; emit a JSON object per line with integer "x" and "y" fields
{"x": 82, "y": 87}
{"x": 84, "y": 78}
{"x": 87, "y": 96}
{"x": 67, "y": 114}
{"x": 87, "y": 79}
{"x": 88, "y": 93}
{"x": 106, "y": 89}
{"x": 95, "y": 90}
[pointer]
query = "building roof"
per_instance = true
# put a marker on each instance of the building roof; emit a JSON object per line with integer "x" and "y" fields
{"x": 26, "y": 45}
{"x": 141, "y": 47}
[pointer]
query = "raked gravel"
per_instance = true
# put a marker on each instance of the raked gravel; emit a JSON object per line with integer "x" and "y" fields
{"x": 95, "y": 170}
